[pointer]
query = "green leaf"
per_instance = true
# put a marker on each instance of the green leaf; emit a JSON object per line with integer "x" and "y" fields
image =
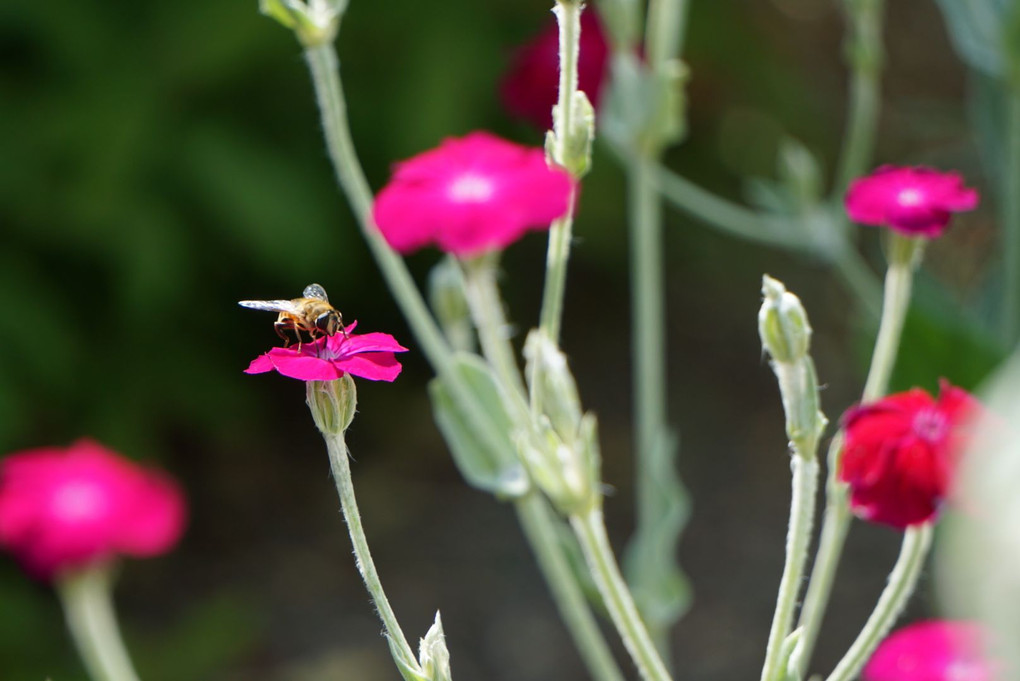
{"x": 661, "y": 590}
{"x": 976, "y": 28}
{"x": 480, "y": 435}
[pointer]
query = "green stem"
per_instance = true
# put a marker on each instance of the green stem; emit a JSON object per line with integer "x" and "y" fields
{"x": 902, "y": 581}
{"x": 486, "y": 307}
{"x": 798, "y": 539}
{"x": 904, "y": 254}
{"x": 864, "y": 54}
{"x": 88, "y": 608}
{"x": 568, "y": 16}
{"x": 325, "y": 70}
{"x": 1010, "y": 206}
{"x": 741, "y": 222}
{"x": 665, "y": 30}
{"x": 340, "y": 465}
{"x": 538, "y": 523}
{"x": 591, "y": 533}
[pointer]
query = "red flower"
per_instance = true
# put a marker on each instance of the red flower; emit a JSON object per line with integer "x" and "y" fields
{"x": 901, "y": 451}
{"x": 65, "y": 509}
{"x": 531, "y": 87}
{"x": 328, "y": 358}
{"x": 913, "y": 201}
{"x": 470, "y": 195}
{"x": 938, "y": 650}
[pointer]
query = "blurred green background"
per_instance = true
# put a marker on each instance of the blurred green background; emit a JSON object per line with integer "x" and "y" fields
{"x": 160, "y": 161}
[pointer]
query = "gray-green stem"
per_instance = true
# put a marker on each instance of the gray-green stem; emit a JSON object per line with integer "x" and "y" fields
{"x": 904, "y": 254}
{"x": 533, "y": 512}
{"x": 902, "y": 582}
{"x": 88, "y": 609}
{"x": 798, "y": 539}
{"x": 538, "y": 522}
{"x": 340, "y": 465}
{"x": 864, "y": 54}
{"x": 1010, "y": 206}
{"x": 591, "y": 533}
{"x": 568, "y": 15}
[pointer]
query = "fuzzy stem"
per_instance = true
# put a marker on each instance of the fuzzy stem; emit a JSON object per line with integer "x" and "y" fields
{"x": 902, "y": 581}
{"x": 591, "y": 533}
{"x": 1010, "y": 207}
{"x": 486, "y": 306}
{"x": 904, "y": 254}
{"x": 88, "y": 608}
{"x": 340, "y": 465}
{"x": 538, "y": 523}
{"x": 568, "y": 16}
{"x": 864, "y": 54}
{"x": 798, "y": 539}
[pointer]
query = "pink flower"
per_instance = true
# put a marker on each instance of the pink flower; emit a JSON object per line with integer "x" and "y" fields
{"x": 330, "y": 357}
{"x": 912, "y": 201}
{"x": 471, "y": 195}
{"x": 531, "y": 87}
{"x": 901, "y": 452}
{"x": 937, "y": 650}
{"x": 65, "y": 509}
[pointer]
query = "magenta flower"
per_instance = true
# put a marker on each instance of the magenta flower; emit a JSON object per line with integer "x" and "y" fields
{"x": 330, "y": 357}
{"x": 471, "y": 195}
{"x": 531, "y": 86}
{"x": 937, "y": 650}
{"x": 66, "y": 509}
{"x": 912, "y": 201}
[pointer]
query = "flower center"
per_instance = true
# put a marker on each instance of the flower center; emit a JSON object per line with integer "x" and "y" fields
{"x": 471, "y": 189}
{"x": 930, "y": 425}
{"x": 78, "y": 501}
{"x": 910, "y": 197}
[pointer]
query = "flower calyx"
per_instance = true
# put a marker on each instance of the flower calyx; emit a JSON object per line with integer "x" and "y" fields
{"x": 314, "y": 22}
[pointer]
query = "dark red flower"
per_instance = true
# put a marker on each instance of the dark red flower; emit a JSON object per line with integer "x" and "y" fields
{"x": 901, "y": 451}
{"x": 531, "y": 86}
{"x": 937, "y": 650}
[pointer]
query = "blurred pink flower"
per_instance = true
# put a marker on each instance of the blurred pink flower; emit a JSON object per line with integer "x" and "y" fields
{"x": 470, "y": 195}
{"x": 936, "y": 650}
{"x": 531, "y": 86}
{"x": 912, "y": 201}
{"x": 65, "y": 509}
{"x": 328, "y": 358}
{"x": 901, "y": 452}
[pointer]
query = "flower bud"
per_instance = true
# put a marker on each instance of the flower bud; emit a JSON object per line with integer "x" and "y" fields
{"x": 782, "y": 323}
{"x": 573, "y": 151}
{"x": 332, "y": 403}
{"x": 448, "y": 301}
{"x": 550, "y": 379}
{"x": 315, "y": 22}
{"x": 433, "y": 657}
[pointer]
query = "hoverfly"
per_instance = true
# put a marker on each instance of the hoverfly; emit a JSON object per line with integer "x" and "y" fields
{"x": 311, "y": 314}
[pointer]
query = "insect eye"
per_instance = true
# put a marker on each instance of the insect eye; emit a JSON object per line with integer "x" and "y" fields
{"x": 326, "y": 322}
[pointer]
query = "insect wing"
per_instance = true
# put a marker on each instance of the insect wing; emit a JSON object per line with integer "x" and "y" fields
{"x": 315, "y": 291}
{"x": 271, "y": 305}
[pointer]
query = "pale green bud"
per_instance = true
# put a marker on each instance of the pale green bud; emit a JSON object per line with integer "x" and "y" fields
{"x": 567, "y": 472}
{"x": 433, "y": 657}
{"x": 315, "y": 22}
{"x": 549, "y": 376}
{"x": 571, "y": 148}
{"x": 332, "y": 403}
{"x": 782, "y": 323}
{"x": 448, "y": 300}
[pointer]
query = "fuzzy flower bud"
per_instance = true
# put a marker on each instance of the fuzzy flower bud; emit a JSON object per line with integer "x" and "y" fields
{"x": 315, "y": 22}
{"x": 433, "y": 657}
{"x": 332, "y": 403}
{"x": 549, "y": 377}
{"x": 782, "y": 323}
{"x": 448, "y": 300}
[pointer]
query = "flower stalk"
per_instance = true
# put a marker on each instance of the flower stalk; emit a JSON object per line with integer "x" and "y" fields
{"x": 904, "y": 255}
{"x": 786, "y": 334}
{"x": 902, "y": 581}
{"x": 591, "y": 533}
{"x": 87, "y": 598}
